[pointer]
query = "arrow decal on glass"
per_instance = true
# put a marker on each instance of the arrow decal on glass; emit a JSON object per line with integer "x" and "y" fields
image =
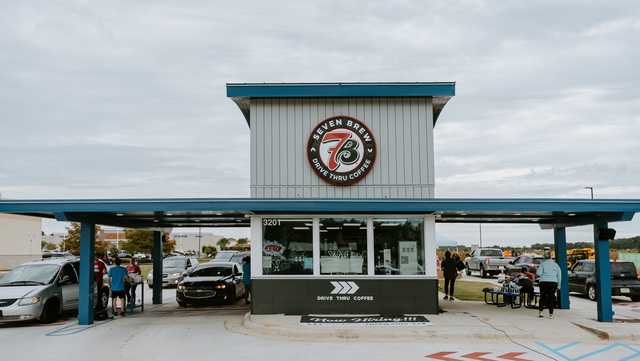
{"x": 344, "y": 287}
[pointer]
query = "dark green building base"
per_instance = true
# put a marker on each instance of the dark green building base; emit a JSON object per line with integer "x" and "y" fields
{"x": 386, "y": 296}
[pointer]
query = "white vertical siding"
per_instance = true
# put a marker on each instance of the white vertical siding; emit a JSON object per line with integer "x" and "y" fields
{"x": 402, "y": 127}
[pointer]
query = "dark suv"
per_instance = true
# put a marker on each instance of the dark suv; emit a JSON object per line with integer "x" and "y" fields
{"x": 624, "y": 279}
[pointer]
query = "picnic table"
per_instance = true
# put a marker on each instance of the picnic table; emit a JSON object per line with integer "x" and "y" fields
{"x": 510, "y": 295}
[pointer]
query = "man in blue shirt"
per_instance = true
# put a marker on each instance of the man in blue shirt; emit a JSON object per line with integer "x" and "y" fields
{"x": 246, "y": 277}
{"x": 118, "y": 274}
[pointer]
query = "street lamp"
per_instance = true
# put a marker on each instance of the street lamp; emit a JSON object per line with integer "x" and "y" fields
{"x": 591, "y": 190}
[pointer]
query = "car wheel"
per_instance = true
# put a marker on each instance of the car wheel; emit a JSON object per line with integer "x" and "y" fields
{"x": 231, "y": 299}
{"x": 483, "y": 273}
{"x": 182, "y": 304}
{"x": 50, "y": 311}
{"x": 103, "y": 299}
{"x": 468, "y": 271}
{"x": 591, "y": 292}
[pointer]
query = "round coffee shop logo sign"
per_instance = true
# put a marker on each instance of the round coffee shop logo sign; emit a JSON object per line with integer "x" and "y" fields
{"x": 341, "y": 150}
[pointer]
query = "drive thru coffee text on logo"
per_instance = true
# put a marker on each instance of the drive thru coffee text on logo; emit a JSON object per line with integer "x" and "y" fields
{"x": 341, "y": 150}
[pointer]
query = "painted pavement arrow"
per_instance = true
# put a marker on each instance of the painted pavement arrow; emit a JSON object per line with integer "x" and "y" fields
{"x": 478, "y": 356}
{"x": 442, "y": 356}
{"x": 513, "y": 356}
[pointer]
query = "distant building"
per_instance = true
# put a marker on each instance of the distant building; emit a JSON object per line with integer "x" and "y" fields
{"x": 20, "y": 239}
{"x": 115, "y": 236}
{"x": 189, "y": 241}
{"x": 54, "y": 238}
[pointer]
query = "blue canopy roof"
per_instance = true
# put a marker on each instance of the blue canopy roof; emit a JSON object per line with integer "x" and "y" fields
{"x": 233, "y": 212}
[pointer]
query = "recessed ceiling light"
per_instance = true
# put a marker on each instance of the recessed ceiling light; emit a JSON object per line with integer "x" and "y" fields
{"x": 119, "y": 214}
{"x": 571, "y": 214}
{"x": 156, "y": 221}
{"x": 218, "y": 214}
{"x": 169, "y": 214}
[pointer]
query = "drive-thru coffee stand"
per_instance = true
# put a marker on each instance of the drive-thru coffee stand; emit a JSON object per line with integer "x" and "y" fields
{"x": 342, "y": 209}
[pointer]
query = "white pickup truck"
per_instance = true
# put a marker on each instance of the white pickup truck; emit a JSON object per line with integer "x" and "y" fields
{"x": 487, "y": 261}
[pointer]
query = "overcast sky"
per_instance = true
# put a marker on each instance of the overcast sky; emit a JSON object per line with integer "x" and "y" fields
{"x": 127, "y": 98}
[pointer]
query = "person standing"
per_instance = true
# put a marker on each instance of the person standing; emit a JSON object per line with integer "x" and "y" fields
{"x": 246, "y": 278}
{"x": 134, "y": 272}
{"x": 549, "y": 276}
{"x": 118, "y": 274}
{"x": 450, "y": 272}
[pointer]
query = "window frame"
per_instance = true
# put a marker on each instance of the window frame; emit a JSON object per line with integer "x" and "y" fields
{"x": 257, "y": 242}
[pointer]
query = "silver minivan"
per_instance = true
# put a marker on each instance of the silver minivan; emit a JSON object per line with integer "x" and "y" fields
{"x": 42, "y": 290}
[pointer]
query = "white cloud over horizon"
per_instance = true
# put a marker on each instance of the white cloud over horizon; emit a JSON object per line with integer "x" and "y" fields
{"x": 127, "y": 99}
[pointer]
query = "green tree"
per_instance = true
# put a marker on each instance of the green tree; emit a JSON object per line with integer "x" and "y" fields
{"x": 242, "y": 241}
{"x": 47, "y": 246}
{"x": 223, "y": 243}
{"x": 141, "y": 240}
{"x": 209, "y": 250}
{"x": 71, "y": 242}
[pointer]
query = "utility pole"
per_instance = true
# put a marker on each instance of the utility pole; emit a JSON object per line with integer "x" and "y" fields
{"x": 591, "y": 190}
{"x": 480, "y": 224}
{"x": 199, "y": 241}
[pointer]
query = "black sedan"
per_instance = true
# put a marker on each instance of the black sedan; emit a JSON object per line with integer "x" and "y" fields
{"x": 624, "y": 279}
{"x": 211, "y": 283}
{"x": 531, "y": 263}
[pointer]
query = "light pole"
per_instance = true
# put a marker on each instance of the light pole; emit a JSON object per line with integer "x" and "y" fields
{"x": 199, "y": 240}
{"x": 591, "y": 190}
{"x": 480, "y": 227}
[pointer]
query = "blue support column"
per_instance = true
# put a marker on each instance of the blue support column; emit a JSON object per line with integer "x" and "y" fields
{"x": 157, "y": 267}
{"x": 87, "y": 254}
{"x": 603, "y": 275}
{"x": 560, "y": 244}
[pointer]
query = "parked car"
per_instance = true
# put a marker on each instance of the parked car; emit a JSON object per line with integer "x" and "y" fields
{"x": 487, "y": 261}
{"x": 531, "y": 263}
{"x": 173, "y": 268}
{"x": 225, "y": 256}
{"x": 123, "y": 254}
{"x": 54, "y": 254}
{"x": 212, "y": 282}
{"x": 624, "y": 279}
{"x": 42, "y": 290}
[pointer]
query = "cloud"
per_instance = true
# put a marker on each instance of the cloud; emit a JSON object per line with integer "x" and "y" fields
{"x": 127, "y": 99}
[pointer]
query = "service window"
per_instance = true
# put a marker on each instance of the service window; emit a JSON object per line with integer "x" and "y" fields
{"x": 399, "y": 246}
{"x": 343, "y": 246}
{"x": 287, "y": 247}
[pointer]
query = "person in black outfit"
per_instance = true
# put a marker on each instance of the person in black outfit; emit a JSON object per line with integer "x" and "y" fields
{"x": 450, "y": 272}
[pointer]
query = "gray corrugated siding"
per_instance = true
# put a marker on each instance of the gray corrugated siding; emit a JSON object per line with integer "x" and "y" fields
{"x": 403, "y": 128}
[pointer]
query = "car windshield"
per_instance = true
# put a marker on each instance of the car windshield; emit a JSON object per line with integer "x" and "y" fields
{"x": 211, "y": 272}
{"x": 491, "y": 253}
{"x": 39, "y": 274}
{"x": 174, "y": 263}
{"x": 627, "y": 268}
{"x": 224, "y": 255}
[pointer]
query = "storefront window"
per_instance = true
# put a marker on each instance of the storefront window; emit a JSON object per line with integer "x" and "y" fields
{"x": 287, "y": 247}
{"x": 399, "y": 246}
{"x": 343, "y": 246}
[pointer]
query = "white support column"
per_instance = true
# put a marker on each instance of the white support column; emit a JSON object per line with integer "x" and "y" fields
{"x": 430, "y": 246}
{"x": 256, "y": 246}
{"x": 371, "y": 264}
{"x": 316, "y": 246}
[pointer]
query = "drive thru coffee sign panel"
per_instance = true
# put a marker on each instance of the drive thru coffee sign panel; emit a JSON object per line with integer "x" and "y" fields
{"x": 341, "y": 150}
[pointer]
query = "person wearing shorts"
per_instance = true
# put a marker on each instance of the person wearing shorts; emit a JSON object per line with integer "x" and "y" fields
{"x": 118, "y": 274}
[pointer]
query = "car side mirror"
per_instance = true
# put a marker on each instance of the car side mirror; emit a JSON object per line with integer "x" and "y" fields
{"x": 65, "y": 280}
